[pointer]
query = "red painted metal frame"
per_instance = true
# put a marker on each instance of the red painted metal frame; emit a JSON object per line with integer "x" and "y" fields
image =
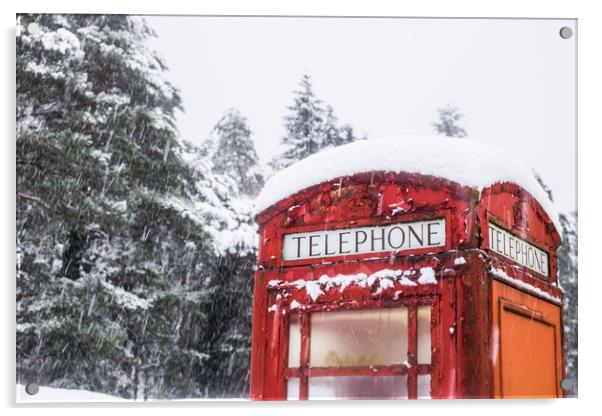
{"x": 305, "y": 371}
{"x": 462, "y": 337}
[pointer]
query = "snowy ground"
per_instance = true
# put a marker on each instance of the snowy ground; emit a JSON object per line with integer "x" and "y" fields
{"x": 51, "y": 394}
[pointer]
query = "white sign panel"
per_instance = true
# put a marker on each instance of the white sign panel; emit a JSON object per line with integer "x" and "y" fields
{"x": 517, "y": 249}
{"x": 372, "y": 239}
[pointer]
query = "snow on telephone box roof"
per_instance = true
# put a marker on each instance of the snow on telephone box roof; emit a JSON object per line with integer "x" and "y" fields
{"x": 467, "y": 162}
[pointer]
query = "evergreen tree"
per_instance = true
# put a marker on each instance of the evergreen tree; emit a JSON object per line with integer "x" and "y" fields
{"x": 227, "y": 322}
{"x": 304, "y": 126}
{"x": 310, "y": 127}
{"x": 447, "y": 124}
{"x": 347, "y": 135}
{"x": 568, "y": 272}
{"x": 568, "y": 277}
{"x": 235, "y": 153}
{"x": 333, "y": 135}
{"x": 543, "y": 185}
{"x": 110, "y": 263}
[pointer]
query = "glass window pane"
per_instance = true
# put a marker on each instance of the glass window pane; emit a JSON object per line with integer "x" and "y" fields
{"x": 294, "y": 341}
{"x": 424, "y": 334}
{"x": 424, "y": 386}
{"x": 359, "y": 338}
{"x": 358, "y": 387}
{"x": 292, "y": 389}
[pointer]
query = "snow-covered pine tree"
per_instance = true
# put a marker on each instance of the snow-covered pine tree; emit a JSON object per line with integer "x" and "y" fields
{"x": 543, "y": 185}
{"x": 568, "y": 276}
{"x": 333, "y": 135}
{"x": 235, "y": 153}
{"x": 310, "y": 127}
{"x": 109, "y": 271}
{"x": 227, "y": 322}
{"x": 447, "y": 125}
{"x": 347, "y": 135}
{"x": 304, "y": 126}
{"x": 568, "y": 272}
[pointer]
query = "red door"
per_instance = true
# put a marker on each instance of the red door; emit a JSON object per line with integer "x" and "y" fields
{"x": 529, "y": 361}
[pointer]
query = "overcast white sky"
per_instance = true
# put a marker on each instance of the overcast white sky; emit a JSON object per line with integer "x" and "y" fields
{"x": 513, "y": 79}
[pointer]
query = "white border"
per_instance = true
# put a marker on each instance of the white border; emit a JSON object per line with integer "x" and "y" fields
{"x": 590, "y": 93}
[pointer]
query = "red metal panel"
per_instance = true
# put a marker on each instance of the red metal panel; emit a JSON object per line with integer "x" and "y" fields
{"x": 473, "y": 370}
{"x": 443, "y": 379}
{"x": 258, "y": 338}
{"x": 513, "y": 208}
{"x": 304, "y": 363}
{"x": 412, "y": 347}
{"x": 273, "y": 381}
{"x": 281, "y": 387}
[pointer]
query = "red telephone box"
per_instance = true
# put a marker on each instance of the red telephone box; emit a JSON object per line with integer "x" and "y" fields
{"x": 400, "y": 283}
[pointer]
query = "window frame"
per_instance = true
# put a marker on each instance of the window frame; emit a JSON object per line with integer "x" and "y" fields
{"x": 412, "y": 371}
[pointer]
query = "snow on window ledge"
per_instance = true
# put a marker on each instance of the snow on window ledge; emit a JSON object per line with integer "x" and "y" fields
{"x": 385, "y": 278}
